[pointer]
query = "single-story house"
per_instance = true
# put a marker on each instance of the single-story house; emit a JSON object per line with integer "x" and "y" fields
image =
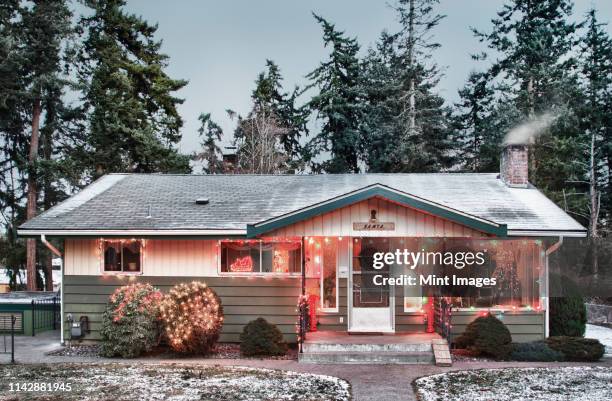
{"x": 260, "y": 241}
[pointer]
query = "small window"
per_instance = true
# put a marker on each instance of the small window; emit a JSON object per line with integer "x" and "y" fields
{"x": 240, "y": 256}
{"x": 281, "y": 257}
{"x": 122, "y": 256}
{"x": 261, "y": 257}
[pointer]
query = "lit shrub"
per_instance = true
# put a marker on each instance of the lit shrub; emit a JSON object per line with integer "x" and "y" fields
{"x": 262, "y": 338}
{"x": 577, "y": 348}
{"x": 192, "y": 315}
{"x": 487, "y": 336}
{"x": 536, "y": 351}
{"x": 130, "y": 323}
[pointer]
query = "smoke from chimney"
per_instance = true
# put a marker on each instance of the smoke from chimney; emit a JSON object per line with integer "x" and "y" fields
{"x": 526, "y": 133}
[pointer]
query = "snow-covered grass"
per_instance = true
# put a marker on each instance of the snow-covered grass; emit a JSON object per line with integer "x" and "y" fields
{"x": 603, "y": 334}
{"x": 118, "y": 382}
{"x": 513, "y": 384}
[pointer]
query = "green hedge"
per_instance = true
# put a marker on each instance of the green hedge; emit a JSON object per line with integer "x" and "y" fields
{"x": 487, "y": 336}
{"x": 568, "y": 315}
{"x": 577, "y": 348}
{"x": 536, "y": 351}
{"x": 260, "y": 338}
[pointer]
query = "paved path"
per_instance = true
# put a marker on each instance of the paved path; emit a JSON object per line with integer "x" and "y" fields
{"x": 368, "y": 382}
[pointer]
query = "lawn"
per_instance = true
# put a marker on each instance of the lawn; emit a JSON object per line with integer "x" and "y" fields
{"x": 534, "y": 384}
{"x": 118, "y": 382}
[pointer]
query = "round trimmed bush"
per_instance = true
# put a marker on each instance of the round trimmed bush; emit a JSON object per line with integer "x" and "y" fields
{"x": 192, "y": 315}
{"x": 262, "y": 338}
{"x": 568, "y": 315}
{"x": 487, "y": 336}
{"x": 577, "y": 348}
{"x": 130, "y": 323}
{"x": 536, "y": 351}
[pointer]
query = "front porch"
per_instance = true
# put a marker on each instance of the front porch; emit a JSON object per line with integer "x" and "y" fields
{"x": 330, "y": 347}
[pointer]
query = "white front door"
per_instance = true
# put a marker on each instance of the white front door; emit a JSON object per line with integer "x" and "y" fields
{"x": 371, "y": 305}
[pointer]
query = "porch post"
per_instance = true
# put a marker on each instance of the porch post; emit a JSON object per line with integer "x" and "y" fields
{"x": 302, "y": 324}
{"x": 303, "y": 267}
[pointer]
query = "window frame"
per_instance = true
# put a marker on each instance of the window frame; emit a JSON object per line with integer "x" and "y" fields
{"x": 412, "y": 309}
{"x": 322, "y": 308}
{"x": 102, "y": 250}
{"x": 259, "y": 273}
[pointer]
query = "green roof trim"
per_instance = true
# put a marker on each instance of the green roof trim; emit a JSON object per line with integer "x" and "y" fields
{"x": 378, "y": 190}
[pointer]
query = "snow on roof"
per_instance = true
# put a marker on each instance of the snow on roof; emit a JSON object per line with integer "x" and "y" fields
{"x": 24, "y": 297}
{"x": 124, "y": 201}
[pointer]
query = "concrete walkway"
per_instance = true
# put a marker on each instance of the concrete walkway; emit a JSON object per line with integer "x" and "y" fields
{"x": 368, "y": 382}
{"x": 30, "y": 349}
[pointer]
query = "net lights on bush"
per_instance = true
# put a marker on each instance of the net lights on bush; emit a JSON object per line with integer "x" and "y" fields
{"x": 193, "y": 316}
{"x": 137, "y": 297}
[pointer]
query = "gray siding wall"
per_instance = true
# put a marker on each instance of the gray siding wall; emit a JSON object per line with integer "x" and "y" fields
{"x": 243, "y": 300}
{"x": 246, "y": 298}
{"x": 524, "y": 326}
{"x": 407, "y": 322}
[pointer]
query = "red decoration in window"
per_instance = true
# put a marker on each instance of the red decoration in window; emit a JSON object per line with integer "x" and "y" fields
{"x": 244, "y": 264}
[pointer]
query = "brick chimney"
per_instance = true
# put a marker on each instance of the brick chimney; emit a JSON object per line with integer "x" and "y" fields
{"x": 514, "y": 166}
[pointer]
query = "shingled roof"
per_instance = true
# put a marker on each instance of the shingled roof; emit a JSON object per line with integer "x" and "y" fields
{"x": 155, "y": 202}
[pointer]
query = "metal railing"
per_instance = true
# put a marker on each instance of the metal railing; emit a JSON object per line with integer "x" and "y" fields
{"x": 6, "y": 321}
{"x": 45, "y": 314}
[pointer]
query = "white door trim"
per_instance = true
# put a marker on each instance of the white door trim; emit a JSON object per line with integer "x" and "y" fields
{"x": 379, "y": 317}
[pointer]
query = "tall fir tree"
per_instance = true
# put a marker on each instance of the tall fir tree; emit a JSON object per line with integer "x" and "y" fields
{"x": 338, "y": 105}
{"x": 211, "y": 153}
{"x": 133, "y": 121}
{"x": 381, "y": 131}
{"x": 405, "y": 115}
{"x": 472, "y": 122}
{"x": 596, "y": 122}
{"x": 14, "y": 141}
{"x": 533, "y": 41}
{"x": 31, "y": 99}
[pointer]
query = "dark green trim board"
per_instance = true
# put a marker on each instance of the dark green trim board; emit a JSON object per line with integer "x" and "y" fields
{"x": 378, "y": 190}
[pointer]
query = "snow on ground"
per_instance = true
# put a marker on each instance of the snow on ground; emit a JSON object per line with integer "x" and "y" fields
{"x": 118, "y": 382}
{"x": 603, "y": 334}
{"x": 511, "y": 384}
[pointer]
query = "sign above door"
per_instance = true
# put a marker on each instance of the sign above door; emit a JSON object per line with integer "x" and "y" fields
{"x": 373, "y": 224}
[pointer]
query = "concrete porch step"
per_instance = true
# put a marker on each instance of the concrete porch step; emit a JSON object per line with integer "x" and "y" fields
{"x": 321, "y": 347}
{"x": 412, "y": 358}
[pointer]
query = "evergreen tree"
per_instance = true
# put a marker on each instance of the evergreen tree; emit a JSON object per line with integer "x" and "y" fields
{"x": 337, "y": 105}
{"x": 596, "y": 120}
{"x": 472, "y": 121}
{"x": 381, "y": 131}
{"x": 31, "y": 91}
{"x": 269, "y": 93}
{"x": 133, "y": 120}
{"x": 211, "y": 152}
{"x": 534, "y": 40}
{"x": 405, "y": 116}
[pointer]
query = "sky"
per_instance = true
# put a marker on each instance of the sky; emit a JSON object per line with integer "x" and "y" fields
{"x": 221, "y": 46}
